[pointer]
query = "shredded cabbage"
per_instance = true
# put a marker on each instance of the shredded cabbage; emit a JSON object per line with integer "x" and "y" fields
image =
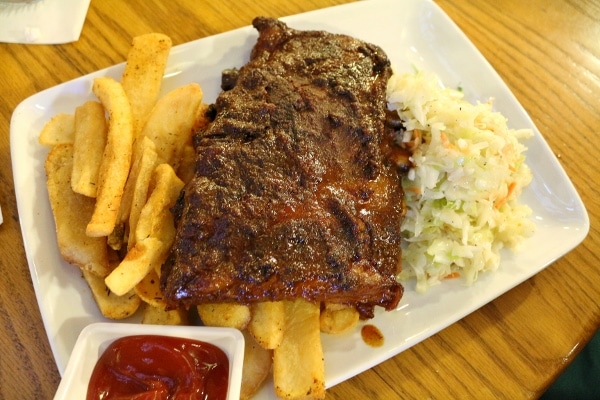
{"x": 463, "y": 189}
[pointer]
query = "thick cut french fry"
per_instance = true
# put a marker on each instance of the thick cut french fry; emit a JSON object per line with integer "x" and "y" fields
{"x": 59, "y": 130}
{"x": 135, "y": 266}
{"x": 71, "y": 213}
{"x": 88, "y": 147}
{"x": 229, "y": 315}
{"x": 148, "y": 161}
{"x": 143, "y": 74}
{"x": 187, "y": 162}
{"x": 298, "y": 365}
{"x": 267, "y": 323}
{"x": 338, "y": 318}
{"x": 116, "y": 159}
{"x": 257, "y": 364}
{"x": 187, "y": 159}
{"x": 110, "y": 305}
{"x": 203, "y": 118}
{"x": 159, "y": 316}
{"x": 149, "y": 290}
{"x": 155, "y": 233}
{"x": 170, "y": 123}
{"x": 135, "y": 193}
{"x": 156, "y": 219}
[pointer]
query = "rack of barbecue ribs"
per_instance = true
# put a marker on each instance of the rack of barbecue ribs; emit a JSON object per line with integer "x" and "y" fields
{"x": 296, "y": 192}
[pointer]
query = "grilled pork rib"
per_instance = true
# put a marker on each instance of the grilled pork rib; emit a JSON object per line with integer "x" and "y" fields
{"x": 293, "y": 195}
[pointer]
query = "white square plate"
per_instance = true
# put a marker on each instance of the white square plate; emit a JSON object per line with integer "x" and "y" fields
{"x": 414, "y": 33}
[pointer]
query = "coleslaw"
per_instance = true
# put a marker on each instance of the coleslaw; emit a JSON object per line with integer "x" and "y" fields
{"x": 462, "y": 192}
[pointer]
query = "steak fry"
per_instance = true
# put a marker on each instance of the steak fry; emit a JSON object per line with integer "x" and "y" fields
{"x": 293, "y": 194}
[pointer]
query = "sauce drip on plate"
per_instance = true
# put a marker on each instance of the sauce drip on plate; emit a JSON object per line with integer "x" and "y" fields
{"x": 372, "y": 336}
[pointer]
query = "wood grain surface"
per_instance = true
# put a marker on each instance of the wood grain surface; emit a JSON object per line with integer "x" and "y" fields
{"x": 548, "y": 52}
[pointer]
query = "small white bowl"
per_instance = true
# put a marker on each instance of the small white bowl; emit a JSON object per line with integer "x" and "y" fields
{"x": 95, "y": 338}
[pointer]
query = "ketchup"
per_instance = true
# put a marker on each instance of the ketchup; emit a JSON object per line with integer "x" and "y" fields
{"x": 155, "y": 367}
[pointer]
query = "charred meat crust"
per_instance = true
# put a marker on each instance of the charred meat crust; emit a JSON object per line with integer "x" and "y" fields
{"x": 292, "y": 194}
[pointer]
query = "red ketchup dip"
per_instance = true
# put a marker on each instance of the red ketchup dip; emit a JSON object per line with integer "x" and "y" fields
{"x": 160, "y": 367}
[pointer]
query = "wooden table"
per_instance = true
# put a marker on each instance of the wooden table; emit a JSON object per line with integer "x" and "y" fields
{"x": 547, "y": 52}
